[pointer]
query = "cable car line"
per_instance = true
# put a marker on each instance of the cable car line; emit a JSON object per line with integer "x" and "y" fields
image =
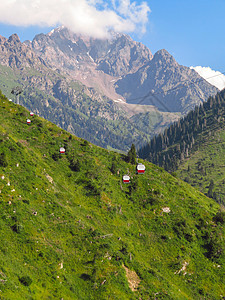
{"x": 178, "y": 87}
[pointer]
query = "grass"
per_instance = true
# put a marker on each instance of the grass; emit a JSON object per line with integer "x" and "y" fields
{"x": 68, "y": 234}
{"x": 207, "y": 163}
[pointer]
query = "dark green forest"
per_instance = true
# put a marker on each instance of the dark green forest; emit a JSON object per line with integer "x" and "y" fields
{"x": 170, "y": 148}
{"x": 193, "y": 148}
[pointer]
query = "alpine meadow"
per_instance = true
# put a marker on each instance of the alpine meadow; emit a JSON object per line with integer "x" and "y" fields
{"x": 71, "y": 229}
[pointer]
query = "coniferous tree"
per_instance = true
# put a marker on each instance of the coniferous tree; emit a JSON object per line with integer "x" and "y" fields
{"x": 210, "y": 191}
{"x": 131, "y": 155}
{"x": 113, "y": 167}
{"x": 3, "y": 160}
{"x": 75, "y": 165}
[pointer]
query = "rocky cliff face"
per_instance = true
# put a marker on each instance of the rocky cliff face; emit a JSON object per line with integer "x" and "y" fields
{"x": 94, "y": 62}
{"x": 123, "y": 56}
{"x": 15, "y": 54}
{"x": 116, "y": 56}
{"x": 166, "y": 84}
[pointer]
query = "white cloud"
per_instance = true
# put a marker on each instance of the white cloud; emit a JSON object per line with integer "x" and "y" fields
{"x": 213, "y": 77}
{"x": 91, "y": 17}
{"x": 138, "y": 14}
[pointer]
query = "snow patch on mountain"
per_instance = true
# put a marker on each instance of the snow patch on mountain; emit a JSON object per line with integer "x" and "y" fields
{"x": 215, "y": 78}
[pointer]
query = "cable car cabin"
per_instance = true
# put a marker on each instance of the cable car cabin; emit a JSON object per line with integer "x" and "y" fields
{"x": 140, "y": 169}
{"x": 126, "y": 179}
{"x": 62, "y": 150}
{"x": 31, "y": 114}
{"x": 28, "y": 121}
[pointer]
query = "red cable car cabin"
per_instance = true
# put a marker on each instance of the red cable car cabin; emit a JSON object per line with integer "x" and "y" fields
{"x": 126, "y": 179}
{"x": 28, "y": 121}
{"x": 62, "y": 150}
{"x": 31, "y": 114}
{"x": 140, "y": 169}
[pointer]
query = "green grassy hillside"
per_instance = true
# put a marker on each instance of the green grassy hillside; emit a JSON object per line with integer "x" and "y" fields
{"x": 206, "y": 163}
{"x": 70, "y": 229}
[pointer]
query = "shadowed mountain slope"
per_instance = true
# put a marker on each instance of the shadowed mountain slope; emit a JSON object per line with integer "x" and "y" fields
{"x": 166, "y": 84}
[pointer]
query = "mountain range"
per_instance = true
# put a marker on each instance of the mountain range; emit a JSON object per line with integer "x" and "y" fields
{"x": 135, "y": 71}
{"x": 113, "y": 92}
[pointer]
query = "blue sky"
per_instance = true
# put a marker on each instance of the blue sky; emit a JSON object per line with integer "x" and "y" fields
{"x": 192, "y": 31}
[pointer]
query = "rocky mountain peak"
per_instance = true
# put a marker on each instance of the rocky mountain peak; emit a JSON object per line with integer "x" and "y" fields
{"x": 124, "y": 56}
{"x": 15, "y": 54}
{"x": 164, "y": 83}
{"x": 2, "y": 39}
{"x": 14, "y": 39}
{"x": 164, "y": 56}
{"x": 58, "y": 30}
{"x": 90, "y": 60}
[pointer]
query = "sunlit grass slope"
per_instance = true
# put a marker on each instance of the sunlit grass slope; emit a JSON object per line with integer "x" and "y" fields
{"x": 70, "y": 229}
{"x": 206, "y": 163}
